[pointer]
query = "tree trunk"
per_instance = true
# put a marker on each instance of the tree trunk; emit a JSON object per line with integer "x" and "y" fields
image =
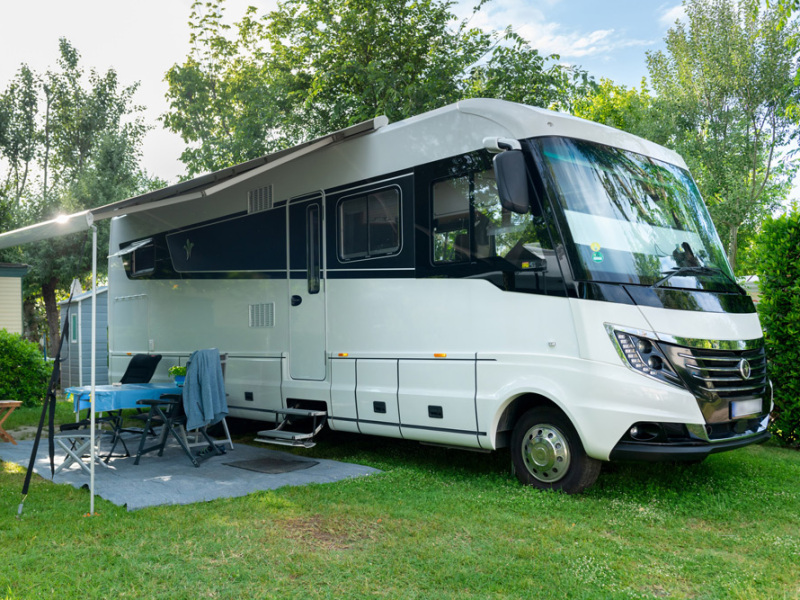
{"x": 31, "y": 322}
{"x": 51, "y": 309}
{"x": 732, "y": 246}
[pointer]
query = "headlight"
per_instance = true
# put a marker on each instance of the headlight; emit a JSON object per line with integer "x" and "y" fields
{"x": 642, "y": 354}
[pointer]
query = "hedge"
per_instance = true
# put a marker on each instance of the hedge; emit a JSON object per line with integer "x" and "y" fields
{"x": 24, "y": 373}
{"x": 778, "y": 266}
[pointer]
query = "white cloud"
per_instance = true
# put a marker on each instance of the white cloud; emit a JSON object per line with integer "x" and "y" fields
{"x": 550, "y": 37}
{"x": 672, "y": 14}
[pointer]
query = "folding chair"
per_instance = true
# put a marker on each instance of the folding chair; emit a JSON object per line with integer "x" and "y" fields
{"x": 141, "y": 368}
{"x": 223, "y": 360}
{"x": 77, "y": 444}
{"x": 202, "y": 403}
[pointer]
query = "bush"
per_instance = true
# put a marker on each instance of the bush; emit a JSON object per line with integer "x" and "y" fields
{"x": 24, "y": 373}
{"x": 778, "y": 265}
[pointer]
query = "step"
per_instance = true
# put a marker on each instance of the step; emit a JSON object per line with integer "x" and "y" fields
{"x": 299, "y": 412}
{"x": 285, "y": 435}
{"x": 285, "y": 438}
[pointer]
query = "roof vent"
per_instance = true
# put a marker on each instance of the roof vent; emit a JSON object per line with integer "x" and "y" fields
{"x": 259, "y": 199}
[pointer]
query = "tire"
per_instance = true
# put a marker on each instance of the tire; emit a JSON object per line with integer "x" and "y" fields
{"x": 547, "y": 453}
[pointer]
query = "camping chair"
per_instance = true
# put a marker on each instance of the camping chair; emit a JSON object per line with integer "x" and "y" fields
{"x": 195, "y": 441}
{"x": 140, "y": 369}
{"x": 202, "y": 403}
{"x": 76, "y": 446}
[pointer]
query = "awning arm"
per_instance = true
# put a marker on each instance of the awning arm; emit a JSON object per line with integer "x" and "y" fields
{"x": 132, "y": 247}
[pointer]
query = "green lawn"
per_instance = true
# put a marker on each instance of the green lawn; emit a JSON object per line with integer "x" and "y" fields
{"x": 436, "y": 524}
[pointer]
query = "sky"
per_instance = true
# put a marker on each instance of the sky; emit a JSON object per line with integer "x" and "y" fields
{"x": 142, "y": 39}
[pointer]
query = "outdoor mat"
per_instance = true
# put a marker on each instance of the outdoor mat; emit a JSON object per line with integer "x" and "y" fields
{"x": 274, "y": 465}
{"x": 171, "y": 479}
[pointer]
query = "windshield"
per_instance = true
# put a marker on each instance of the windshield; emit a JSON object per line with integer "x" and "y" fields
{"x": 628, "y": 218}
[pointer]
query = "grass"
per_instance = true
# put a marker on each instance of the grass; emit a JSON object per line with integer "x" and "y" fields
{"x": 435, "y": 524}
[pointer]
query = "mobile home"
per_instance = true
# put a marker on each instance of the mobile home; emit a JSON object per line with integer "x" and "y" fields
{"x": 481, "y": 276}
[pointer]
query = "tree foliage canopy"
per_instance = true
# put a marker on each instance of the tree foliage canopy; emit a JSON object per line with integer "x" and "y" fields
{"x": 314, "y": 66}
{"x": 725, "y": 84}
{"x": 70, "y": 141}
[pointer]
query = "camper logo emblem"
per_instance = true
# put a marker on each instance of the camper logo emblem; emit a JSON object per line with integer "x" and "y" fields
{"x": 188, "y": 247}
{"x": 744, "y": 369}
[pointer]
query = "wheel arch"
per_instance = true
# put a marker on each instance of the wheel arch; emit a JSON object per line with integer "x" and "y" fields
{"x": 517, "y": 407}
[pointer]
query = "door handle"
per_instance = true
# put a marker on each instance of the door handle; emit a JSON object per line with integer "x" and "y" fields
{"x": 296, "y": 300}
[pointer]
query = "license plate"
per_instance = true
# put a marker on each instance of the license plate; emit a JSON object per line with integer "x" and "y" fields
{"x": 745, "y": 408}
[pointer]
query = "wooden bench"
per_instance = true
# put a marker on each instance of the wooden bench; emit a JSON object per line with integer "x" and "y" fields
{"x": 6, "y": 408}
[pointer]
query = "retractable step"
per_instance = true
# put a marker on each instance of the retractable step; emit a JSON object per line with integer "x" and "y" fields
{"x": 284, "y": 437}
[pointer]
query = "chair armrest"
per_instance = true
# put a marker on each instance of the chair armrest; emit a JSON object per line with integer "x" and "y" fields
{"x": 165, "y": 399}
{"x": 73, "y": 426}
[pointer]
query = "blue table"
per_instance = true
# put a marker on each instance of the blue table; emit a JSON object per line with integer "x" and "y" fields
{"x": 118, "y": 397}
{"x": 109, "y": 399}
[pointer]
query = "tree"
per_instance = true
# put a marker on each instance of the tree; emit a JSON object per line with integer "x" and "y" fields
{"x": 80, "y": 135}
{"x": 617, "y": 106}
{"x": 311, "y": 67}
{"x": 518, "y": 73}
{"x": 18, "y": 136}
{"x": 726, "y": 87}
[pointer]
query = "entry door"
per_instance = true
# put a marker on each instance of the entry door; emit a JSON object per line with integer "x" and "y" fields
{"x": 306, "y": 290}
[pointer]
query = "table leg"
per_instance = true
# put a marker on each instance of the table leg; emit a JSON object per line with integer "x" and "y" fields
{"x": 7, "y": 410}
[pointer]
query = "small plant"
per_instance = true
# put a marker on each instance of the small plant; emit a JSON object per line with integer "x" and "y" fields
{"x": 177, "y": 371}
{"x": 24, "y": 373}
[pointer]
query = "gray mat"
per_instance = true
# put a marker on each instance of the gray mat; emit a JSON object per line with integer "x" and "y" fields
{"x": 171, "y": 479}
{"x": 273, "y": 465}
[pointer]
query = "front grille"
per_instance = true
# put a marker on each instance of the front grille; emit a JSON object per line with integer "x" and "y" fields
{"x": 725, "y": 374}
{"x": 719, "y": 377}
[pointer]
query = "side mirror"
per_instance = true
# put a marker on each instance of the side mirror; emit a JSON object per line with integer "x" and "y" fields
{"x": 512, "y": 181}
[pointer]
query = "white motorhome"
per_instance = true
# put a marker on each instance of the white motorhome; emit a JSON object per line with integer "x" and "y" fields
{"x": 484, "y": 275}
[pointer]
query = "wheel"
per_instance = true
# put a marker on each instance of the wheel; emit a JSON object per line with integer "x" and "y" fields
{"x": 548, "y": 454}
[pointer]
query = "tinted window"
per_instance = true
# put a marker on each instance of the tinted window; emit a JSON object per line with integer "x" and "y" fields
{"x": 469, "y": 223}
{"x": 369, "y": 225}
{"x": 143, "y": 261}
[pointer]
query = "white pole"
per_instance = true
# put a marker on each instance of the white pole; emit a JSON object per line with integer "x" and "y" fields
{"x": 92, "y": 451}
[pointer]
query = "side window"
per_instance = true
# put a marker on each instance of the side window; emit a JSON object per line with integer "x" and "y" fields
{"x": 143, "y": 260}
{"x": 469, "y": 223}
{"x": 369, "y": 225}
{"x": 313, "y": 256}
{"x": 451, "y": 220}
{"x": 73, "y": 328}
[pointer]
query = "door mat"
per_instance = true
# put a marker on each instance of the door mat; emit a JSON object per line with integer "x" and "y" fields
{"x": 273, "y": 466}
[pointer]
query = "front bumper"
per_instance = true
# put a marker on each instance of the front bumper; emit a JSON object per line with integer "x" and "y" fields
{"x": 688, "y": 447}
{"x": 680, "y": 451}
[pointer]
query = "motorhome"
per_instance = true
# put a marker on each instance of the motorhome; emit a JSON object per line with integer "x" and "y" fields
{"x": 481, "y": 276}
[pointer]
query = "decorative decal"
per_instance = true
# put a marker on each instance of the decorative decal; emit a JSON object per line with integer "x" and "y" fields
{"x": 188, "y": 247}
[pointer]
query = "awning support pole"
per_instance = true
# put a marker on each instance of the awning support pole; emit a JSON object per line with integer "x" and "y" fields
{"x": 93, "y": 450}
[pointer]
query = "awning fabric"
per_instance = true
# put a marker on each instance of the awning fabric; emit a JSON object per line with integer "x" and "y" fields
{"x": 199, "y": 187}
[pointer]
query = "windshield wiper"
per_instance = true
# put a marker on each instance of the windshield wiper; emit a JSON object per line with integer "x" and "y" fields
{"x": 694, "y": 271}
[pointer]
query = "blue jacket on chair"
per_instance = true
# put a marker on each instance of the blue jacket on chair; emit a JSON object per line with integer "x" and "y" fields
{"x": 204, "y": 390}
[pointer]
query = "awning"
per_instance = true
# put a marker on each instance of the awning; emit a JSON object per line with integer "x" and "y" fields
{"x": 199, "y": 187}
{"x": 48, "y": 229}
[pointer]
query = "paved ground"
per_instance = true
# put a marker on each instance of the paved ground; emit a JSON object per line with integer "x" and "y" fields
{"x": 171, "y": 479}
